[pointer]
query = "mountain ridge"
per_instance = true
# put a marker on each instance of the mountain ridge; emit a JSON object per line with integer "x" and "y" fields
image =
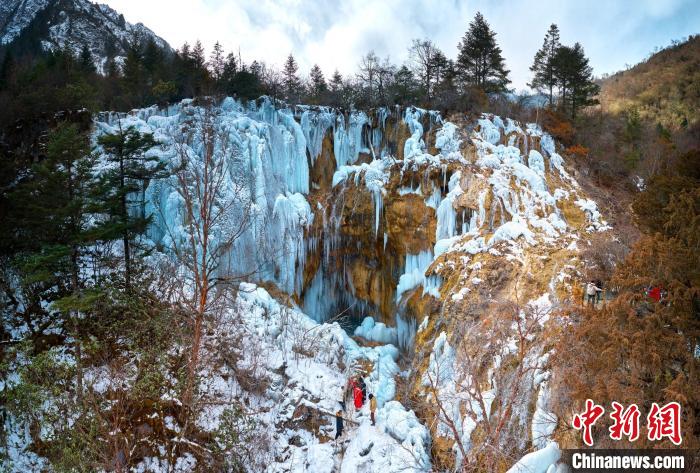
{"x": 74, "y": 25}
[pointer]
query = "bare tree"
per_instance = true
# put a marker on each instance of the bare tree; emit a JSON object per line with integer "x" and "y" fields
{"x": 422, "y": 55}
{"x": 487, "y": 378}
{"x": 368, "y": 74}
{"x": 216, "y": 210}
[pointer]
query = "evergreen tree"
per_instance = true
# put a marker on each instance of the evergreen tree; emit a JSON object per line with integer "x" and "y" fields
{"x": 336, "y": 89}
{"x": 86, "y": 62}
{"x": 197, "y": 55}
{"x": 543, "y": 65}
{"x": 134, "y": 75}
{"x": 153, "y": 62}
{"x": 290, "y": 78}
{"x": 318, "y": 83}
{"x": 404, "y": 86}
{"x": 217, "y": 63}
{"x": 51, "y": 207}
{"x": 440, "y": 66}
{"x": 229, "y": 70}
{"x": 133, "y": 169}
{"x": 574, "y": 78}
{"x": 480, "y": 62}
{"x": 199, "y": 71}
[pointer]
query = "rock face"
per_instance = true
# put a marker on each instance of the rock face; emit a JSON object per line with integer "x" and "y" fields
{"x": 401, "y": 216}
{"x": 73, "y": 24}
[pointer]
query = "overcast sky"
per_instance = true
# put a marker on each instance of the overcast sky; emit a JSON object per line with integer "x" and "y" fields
{"x": 336, "y": 33}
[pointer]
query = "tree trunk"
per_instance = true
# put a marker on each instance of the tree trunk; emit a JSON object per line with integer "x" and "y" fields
{"x": 196, "y": 343}
{"x": 74, "y": 326}
{"x": 125, "y": 235}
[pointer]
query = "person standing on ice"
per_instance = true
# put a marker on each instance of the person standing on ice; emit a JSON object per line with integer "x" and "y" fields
{"x": 372, "y": 407}
{"x": 591, "y": 292}
{"x": 338, "y": 424}
{"x": 363, "y": 387}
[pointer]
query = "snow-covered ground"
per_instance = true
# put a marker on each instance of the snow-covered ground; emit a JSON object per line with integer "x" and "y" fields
{"x": 307, "y": 366}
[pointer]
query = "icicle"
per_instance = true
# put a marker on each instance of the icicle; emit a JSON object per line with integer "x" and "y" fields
{"x": 378, "y": 207}
{"x": 432, "y": 285}
{"x": 446, "y": 214}
{"x": 405, "y": 332}
{"x": 414, "y": 272}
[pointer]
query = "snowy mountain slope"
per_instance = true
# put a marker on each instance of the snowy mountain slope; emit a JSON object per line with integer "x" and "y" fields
{"x": 73, "y": 24}
{"x": 15, "y": 15}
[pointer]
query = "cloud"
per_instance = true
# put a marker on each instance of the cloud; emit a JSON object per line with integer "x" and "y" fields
{"x": 336, "y": 34}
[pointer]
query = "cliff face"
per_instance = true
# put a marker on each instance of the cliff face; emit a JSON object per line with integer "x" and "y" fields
{"x": 409, "y": 230}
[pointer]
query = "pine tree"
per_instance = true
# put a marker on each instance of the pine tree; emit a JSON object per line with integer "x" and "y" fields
{"x": 86, "y": 62}
{"x": 153, "y": 61}
{"x": 134, "y": 74}
{"x": 197, "y": 55}
{"x": 217, "y": 62}
{"x": 480, "y": 62}
{"x": 199, "y": 68}
{"x": 291, "y": 80}
{"x": 318, "y": 82}
{"x": 133, "y": 169}
{"x": 336, "y": 88}
{"x": 51, "y": 207}
{"x": 574, "y": 78}
{"x": 404, "y": 86}
{"x": 543, "y": 65}
{"x": 440, "y": 65}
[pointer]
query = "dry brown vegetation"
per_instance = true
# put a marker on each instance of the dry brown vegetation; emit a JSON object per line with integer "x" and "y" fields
{"x": 665, "y": 88}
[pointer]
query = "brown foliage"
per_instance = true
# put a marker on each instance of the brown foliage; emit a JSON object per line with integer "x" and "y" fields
{"x": 637, "y": 351}
{"x": 578, "y": 151}
{"x": 558, "y": 126}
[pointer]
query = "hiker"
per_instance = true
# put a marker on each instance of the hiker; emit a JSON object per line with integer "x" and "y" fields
{"x": 372, "y": 407}
{"x": 363, "y": 387}
{"x": 591, "y": 291}
{"x": 350, "y": 388}
{"x": 338, "y": 424}
{"x": 654, "y": 293}
{"x": 599, "y": 292}
{"x": 357, "y": 397}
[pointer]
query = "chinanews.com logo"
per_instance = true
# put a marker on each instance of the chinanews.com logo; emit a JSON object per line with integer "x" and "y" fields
{"x": 662, "y": 423}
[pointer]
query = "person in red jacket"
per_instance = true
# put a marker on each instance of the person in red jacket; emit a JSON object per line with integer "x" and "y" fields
{"x": 357, "y": 397}
{"x": 655, "y": 293}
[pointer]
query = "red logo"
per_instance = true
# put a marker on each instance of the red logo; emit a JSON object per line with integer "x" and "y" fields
{"x": 665, "y": 422}
{"x": 662, "y": 422}
{"x": 626, "y": 421}
{"x": 586, "y": 420}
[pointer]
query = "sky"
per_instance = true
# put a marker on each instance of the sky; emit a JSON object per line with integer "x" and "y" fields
{"x": 336, "y": 33}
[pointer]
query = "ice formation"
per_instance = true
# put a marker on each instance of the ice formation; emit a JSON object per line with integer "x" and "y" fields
{"x": 504, "y": 199}
{"x": 414, "y": 272}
